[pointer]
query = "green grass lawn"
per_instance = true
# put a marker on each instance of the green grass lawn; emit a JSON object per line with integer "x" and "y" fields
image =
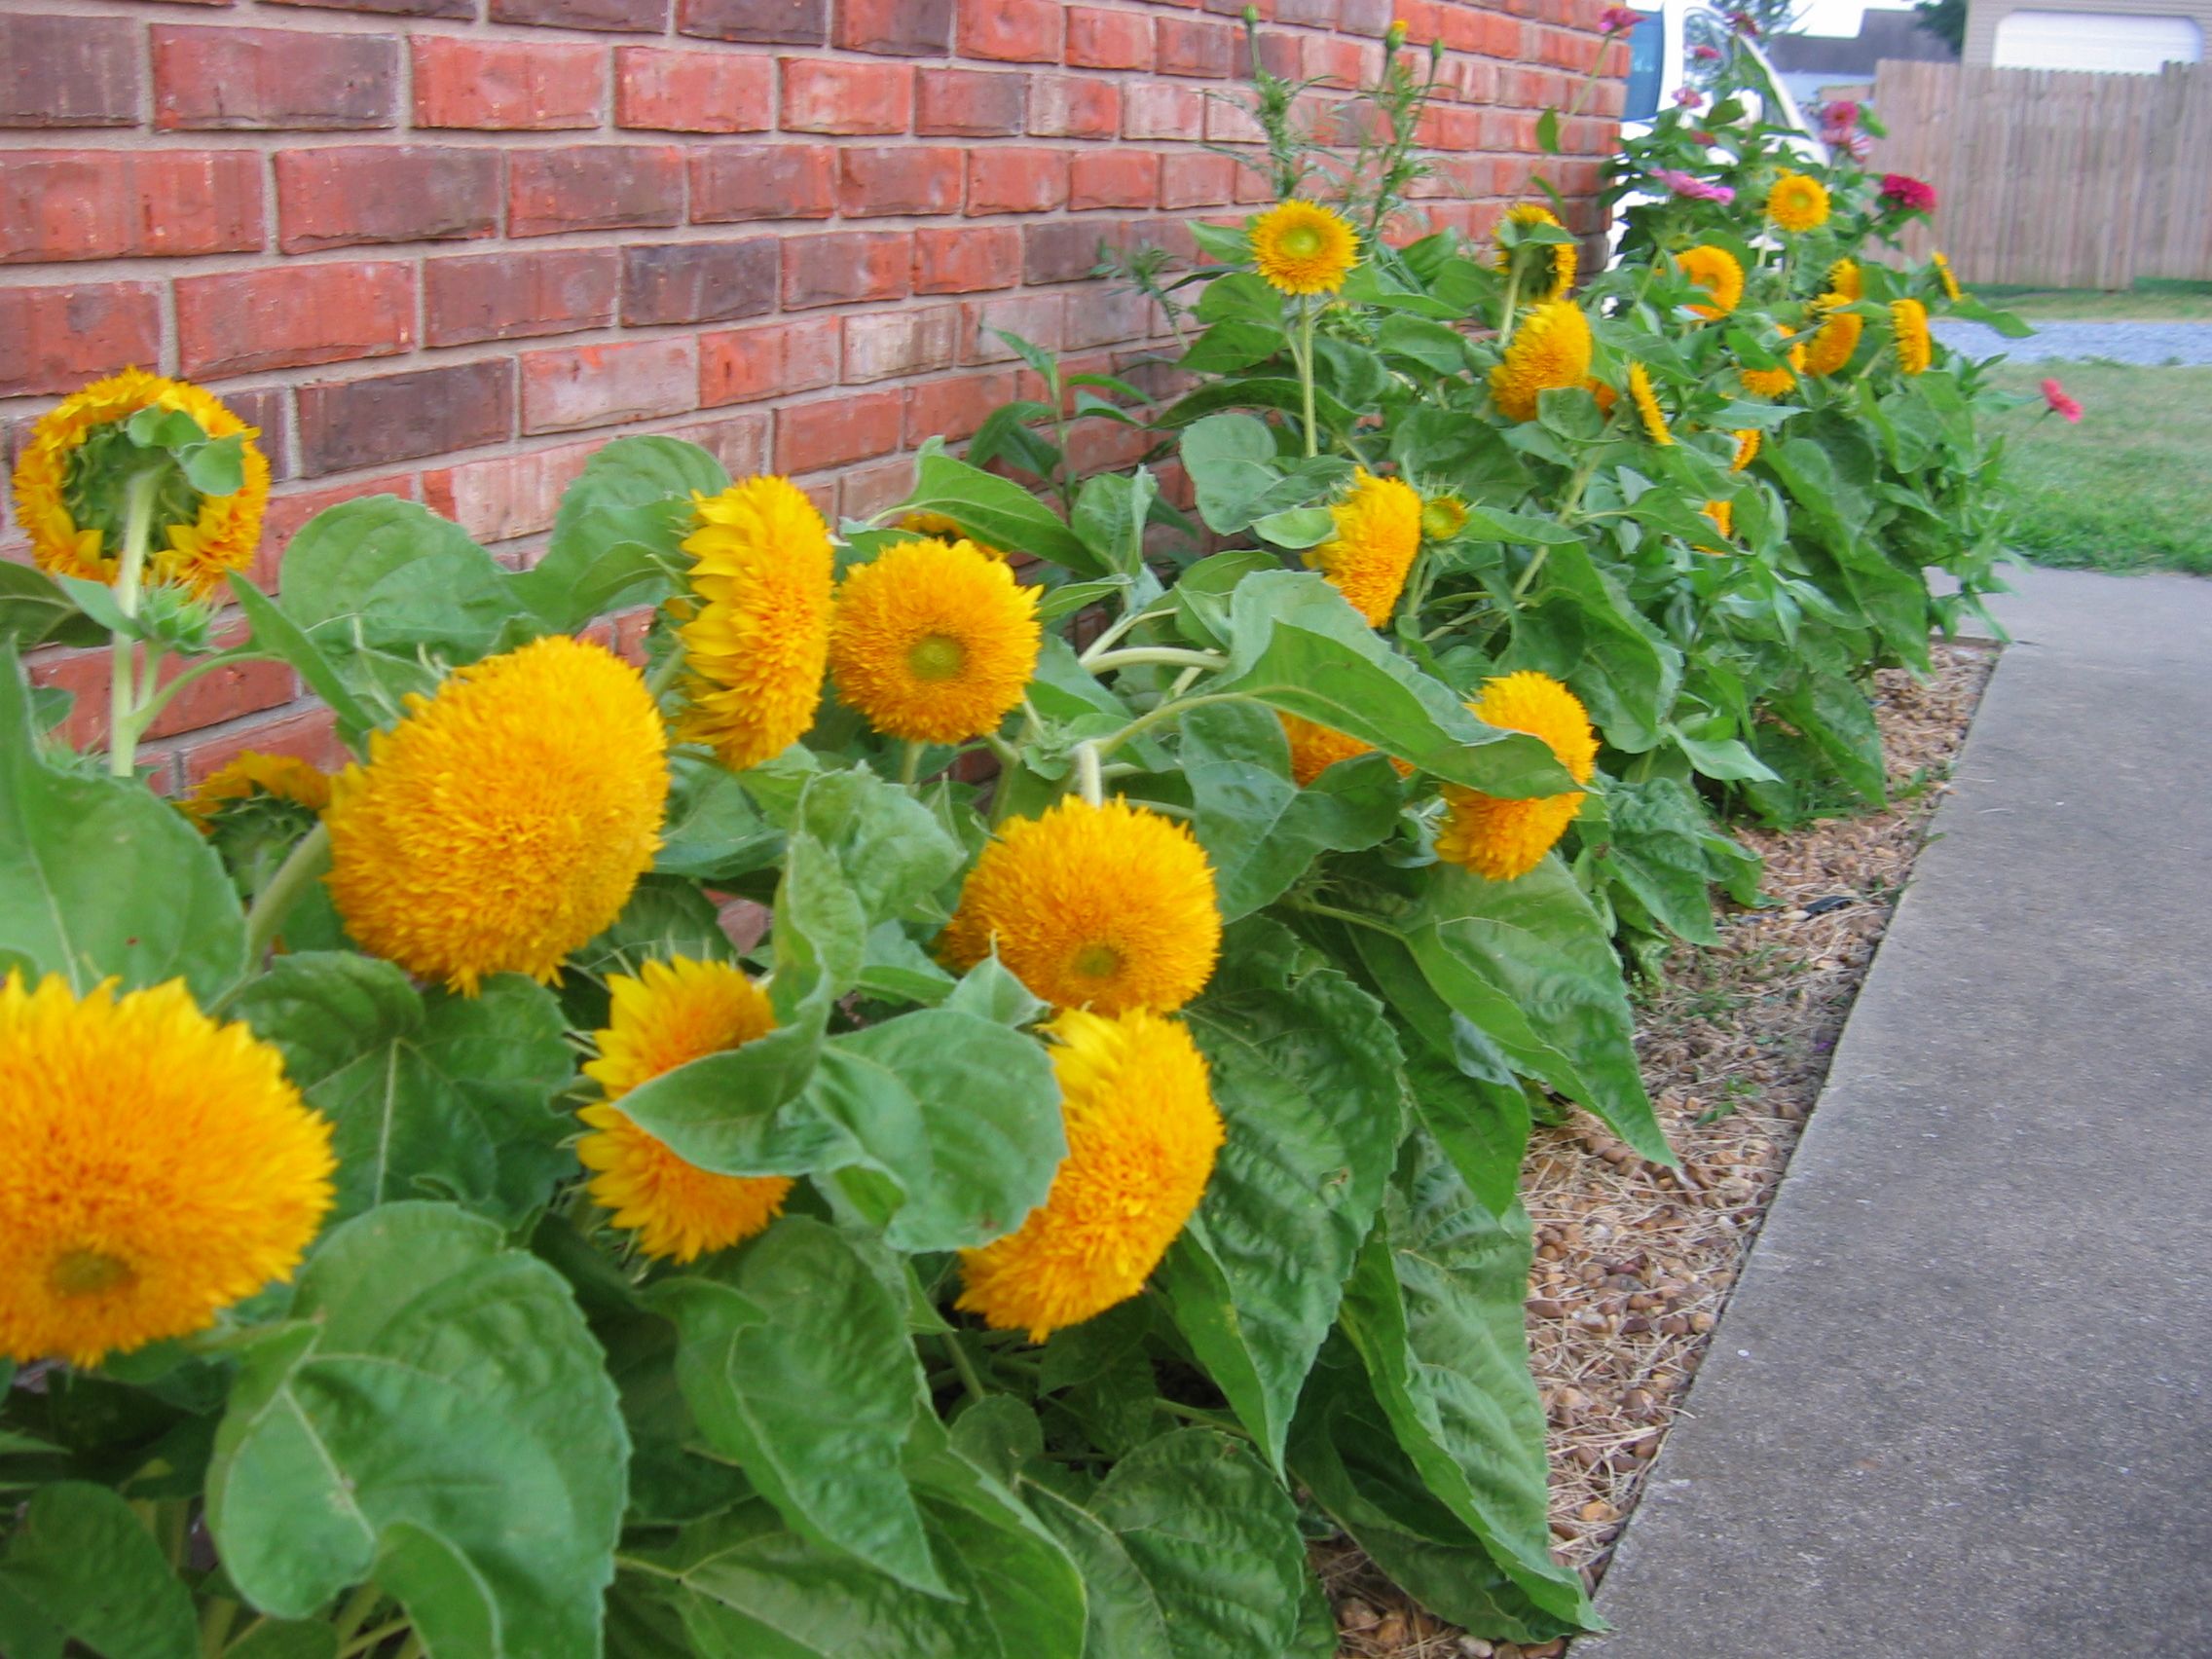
{"x": 2154, "y": 299}
{"x": 2130, "y": 487}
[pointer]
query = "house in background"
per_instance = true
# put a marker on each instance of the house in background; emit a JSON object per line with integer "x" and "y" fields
{"x": 2115, "y": 36}
{"x": 1817, "y": 67}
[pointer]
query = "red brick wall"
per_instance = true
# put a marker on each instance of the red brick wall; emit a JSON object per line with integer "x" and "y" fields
{"x": 445, "y": 248}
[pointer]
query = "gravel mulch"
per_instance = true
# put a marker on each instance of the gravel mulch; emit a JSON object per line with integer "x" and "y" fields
{"x": 1633, "y": 1263}
{"x": 2153, "y": 343}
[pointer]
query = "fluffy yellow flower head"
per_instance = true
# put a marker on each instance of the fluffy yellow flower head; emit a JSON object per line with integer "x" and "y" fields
{"x": 672, "y": 1014}
{"x": 757, "y": 636}
{"x": 1315, "y": 748}
{"x": 1846, "y": 279}
{"x": 1647, "y": 408}
{"x": 1142, "y": 1135}
{"x": 1838, "y": 336}
{"x": 1916, "y": 349}
{"x": 1946, "y": 276}
{"x": 1108, "y": 908}
{"x": 1747, "y": 449}
{"x": 1553, "y": 264}
{"x": 934, "y": 641}
{"x": 1378, "y": 534}
{"x": 250, "y": 774}
{"x": 1775, "y": 382}
{"x": 159, "y": 1167}
{"x": 1501, "y": 839}
{"x": 195, "y": 537}
{"x": 1797, "y": 202}
{"x": 1724, "y": 517}
{"x": 1550, "y": 351}
{"x": 1715, "y": 269}
{"x": 1302, "y": 247}
{"x": 505, "y": 822}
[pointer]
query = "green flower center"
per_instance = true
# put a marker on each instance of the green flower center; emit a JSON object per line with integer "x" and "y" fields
{"x": 87, "y": 1273}
{"x": 1301, "y": 241}
{"x": 93, "y": 488}
{"x": 1097, "y": 961}
{"x": 937, "y": 656}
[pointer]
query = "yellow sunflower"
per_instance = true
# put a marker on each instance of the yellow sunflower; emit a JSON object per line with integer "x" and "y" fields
{"x": 1946, "y": 276}
{"x": 1747, "y": 449}
{"x": 1724, "y": 517}
{"x": 1916, "y": 349}
{"x": 1797, "y": 202}
{"x": 1550, "y": 351}
{"x": 1715, "y": 269}
{"x": 505, "y": 820}
{"x": 757, "y": 638}
{"x": 1143, "y": 1132}
{"x": 159, "y": 1167}
{"x": 1302, "y": 247}
{"x": 1832, "y": 345}
{"x": 1503, "y": 839}
{"x": 75, "y": 525}
{"x": 1552, "y": 265}
{"x": 934, "y": 641}
{"x": 280, "y": 776}
{"x": 1774, "y": 383}
{"x": 1647, "y": 408}
{"x": 945, "y": 529}
{"x": 672, "y": 1014}
{"x": 1378, "y": 534}
{"x": 1846, "y": 279}
{"x": 1315, "y": 748}
{"x": 1109, "y": 907}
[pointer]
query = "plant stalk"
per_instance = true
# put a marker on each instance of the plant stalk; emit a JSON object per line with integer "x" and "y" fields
{"x": 123, "y": 701}
{"x": 1090, "y": 779}
{"x": 1167, "y": 656}
{"x": 301, "y": 869}
{"x": 1308, "y": 312}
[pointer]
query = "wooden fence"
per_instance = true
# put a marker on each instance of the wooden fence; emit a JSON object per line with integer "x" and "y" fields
{"x": 2055, "y": 178}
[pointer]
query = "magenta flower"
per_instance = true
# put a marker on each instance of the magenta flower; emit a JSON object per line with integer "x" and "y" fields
{"x": 1691, "y": 186}
{"x": 1619, "y": 19}
{"x": 1743, "y": 23}
{"x": 2062, "y": 406}
{"x": 1912, "y": 195}
{"x": 1689, "y": 97}
{"x": 1706, "y": 53}
{"x": 1841, "y": 113}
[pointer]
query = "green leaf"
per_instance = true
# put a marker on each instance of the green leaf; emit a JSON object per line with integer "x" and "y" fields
{"x": 1451, "y": 449}
{"x": 1663, "y": 847}
{"x": 1579, "y": 626}
{"x": 35, "y": 612}
{"x": 81, "y": 1562}
{"x": 1421, "y": 339}
{"x": 1204, "y": 593}
{"x": 1296, "y": 527}
{"x": 619, "y": 531}
{"x": 1305, "y": 1073}
{"x": 1297, "y": 646}
{"x": 440, "y": 1421}
{"x": 997, "y": 512}
{"x": 1434, "y": 1309}
{"x": 796, "y": 1365}
{"x": 1547, "y": 132}
{"x": 1262, "y": 392}
{"x": 286, "y": 1639}
{"x": 1260, "y": 831}
{"x": 1240, "y": 294}
{"x": 278, "y": 633}
{"x": 1111, "y": 512}
{"x": 105, "y": 877}
{"x": 1233, "y": 344}
{"x": 1725, "y": 759}
{"x": 889, "y": 847}
{"x": 1835, "y": 714}
{"x": 714, "y": 833}
{"x": 430, "y": 1094}
{"x": 989, "y": 991}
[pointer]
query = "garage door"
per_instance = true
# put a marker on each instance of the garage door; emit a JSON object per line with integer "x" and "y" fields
{"x": 2089, "y": 40}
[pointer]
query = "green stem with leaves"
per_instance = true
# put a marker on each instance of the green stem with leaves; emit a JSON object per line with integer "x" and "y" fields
{"x": 123, "y": 701}
{"x": 1167, "y": 656}
{"x": 300, "y": 870}
{"x": 1307, "y": 311}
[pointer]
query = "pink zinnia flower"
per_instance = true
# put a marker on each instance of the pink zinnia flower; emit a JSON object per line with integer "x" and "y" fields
{"x": 1689, "y": 97}
{"x": 1693, "y": 187}
{"x": 1743, "y": 23}
{"x": 1706, "y": 53}
{"x": 1841, "y": 113}
{"x": 1911, "y": 194}
{"x": 2062, "y": 406}
{"x": 1619, "y": 19}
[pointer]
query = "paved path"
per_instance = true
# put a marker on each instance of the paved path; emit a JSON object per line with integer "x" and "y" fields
{"x": 1960, "y": 1404}
{"x": 2064, "y": 342}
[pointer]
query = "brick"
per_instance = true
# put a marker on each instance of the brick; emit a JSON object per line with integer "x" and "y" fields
{"x": 896, "y": 28}
{"x": 594, "y": 187}
{"x": 699, "y": 282}
{"x": 824, "y": 95}
{"x": 375, "y": 422}
{"x": 357, "y": 194}
{"x": 506, "y": 85}
{"x": 1106, "y": 319}
{"x": 1153, "y": 109}
{"x": 1195, "y": 46}
{"x": 224, "y": 80}
{"x": 967, "y": 260}
{"x": 609, "y": 17}
{"x": 1114, "y": 178}
{"x": 1230, "y": 123}
{"x": 837, "y": 431}
{"x": 731, "y": 182}
{"x": 1316, "y": 14}
{"x": 968, "y": 104}
{"x": 842, "y": 267}
{"x": 54, "y": 340}
{"x": 1013, "y": 31}
{"x": 1364, "y": 16}
{"x": 863, "y": 492}
{"x": 1196, "y": 178}
{"x": 891, "y": 345}
{"x": 1039, "y": 318}
{"x": 742, "y": 365}
{"x": 907, "y": 178}
{"x": 504, "y": 496}
{"x": 292, "y": 317}
{"x": 761, "y": 23}
{"x": 63, "y": 204}
{"x": 954, "y": 408}
{"x": 385, "y": 8}
{"x": 606, "y": 386}
{"x": 516, "y": 293}
{"x": 1016, "y": 179}
{"x": 1074, "y": 106}
{"x": 741, "y": 442}
{"x": 58, "y": 71}
{"x": 1066, "y": 251}
{"x": 1334, "y": 63}
{"x": 311, "y": 735}
{"x": 1108, "y": 40}
{"x": 264, "y": 408}
{"x": 693, "y": 92}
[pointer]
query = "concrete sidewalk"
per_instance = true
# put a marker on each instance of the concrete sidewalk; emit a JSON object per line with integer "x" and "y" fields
{"x": 1961, "y": 1404}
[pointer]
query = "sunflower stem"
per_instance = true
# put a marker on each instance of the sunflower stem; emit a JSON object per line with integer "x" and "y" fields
{"x": 355, "y": 1611}
{"x": 157, "y": 698}
{"x": 970, "y": 1379}
{"x": 1512, "y": 296}
{"x": 301, "y": 869}
{"x": 1165, "y": 712}
{"x": 665, "y": 671}
{"x": 369, "y": 1640}
{"x": 1113, "y": 636}
{"x": 215, "y": 1621}
{"x": 910, "y": 764}
{"x": 137, "y": 532}
{"x": 1307, "y": 311}
{"x": 1089, "y": 778}
{"x": 1169, "y": 656}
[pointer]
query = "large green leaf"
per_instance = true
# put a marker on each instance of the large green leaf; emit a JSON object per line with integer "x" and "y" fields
{"x": 440, "y": 1421}
{"x": 430, "y": 1094}
{"x": 889, "y": 846}
{"x": 618, "y": 532}
{"x": 1296, "y": 645}
{"x": 80, "y": 1564}
{"x": 1580, "y": 626}
{"x": 996, "y": 511}
{"x": 1659, "y": 843}
{"x": 1260, "y": 831}
{"x": 100, "y": 877}
{"x": 713, "y": 831}
{"x": 35, "y": 612}
{"x": 796, "y": 1365}
{"x": 1304, "y": 1072}
{"x": 1434, "y": 1309}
